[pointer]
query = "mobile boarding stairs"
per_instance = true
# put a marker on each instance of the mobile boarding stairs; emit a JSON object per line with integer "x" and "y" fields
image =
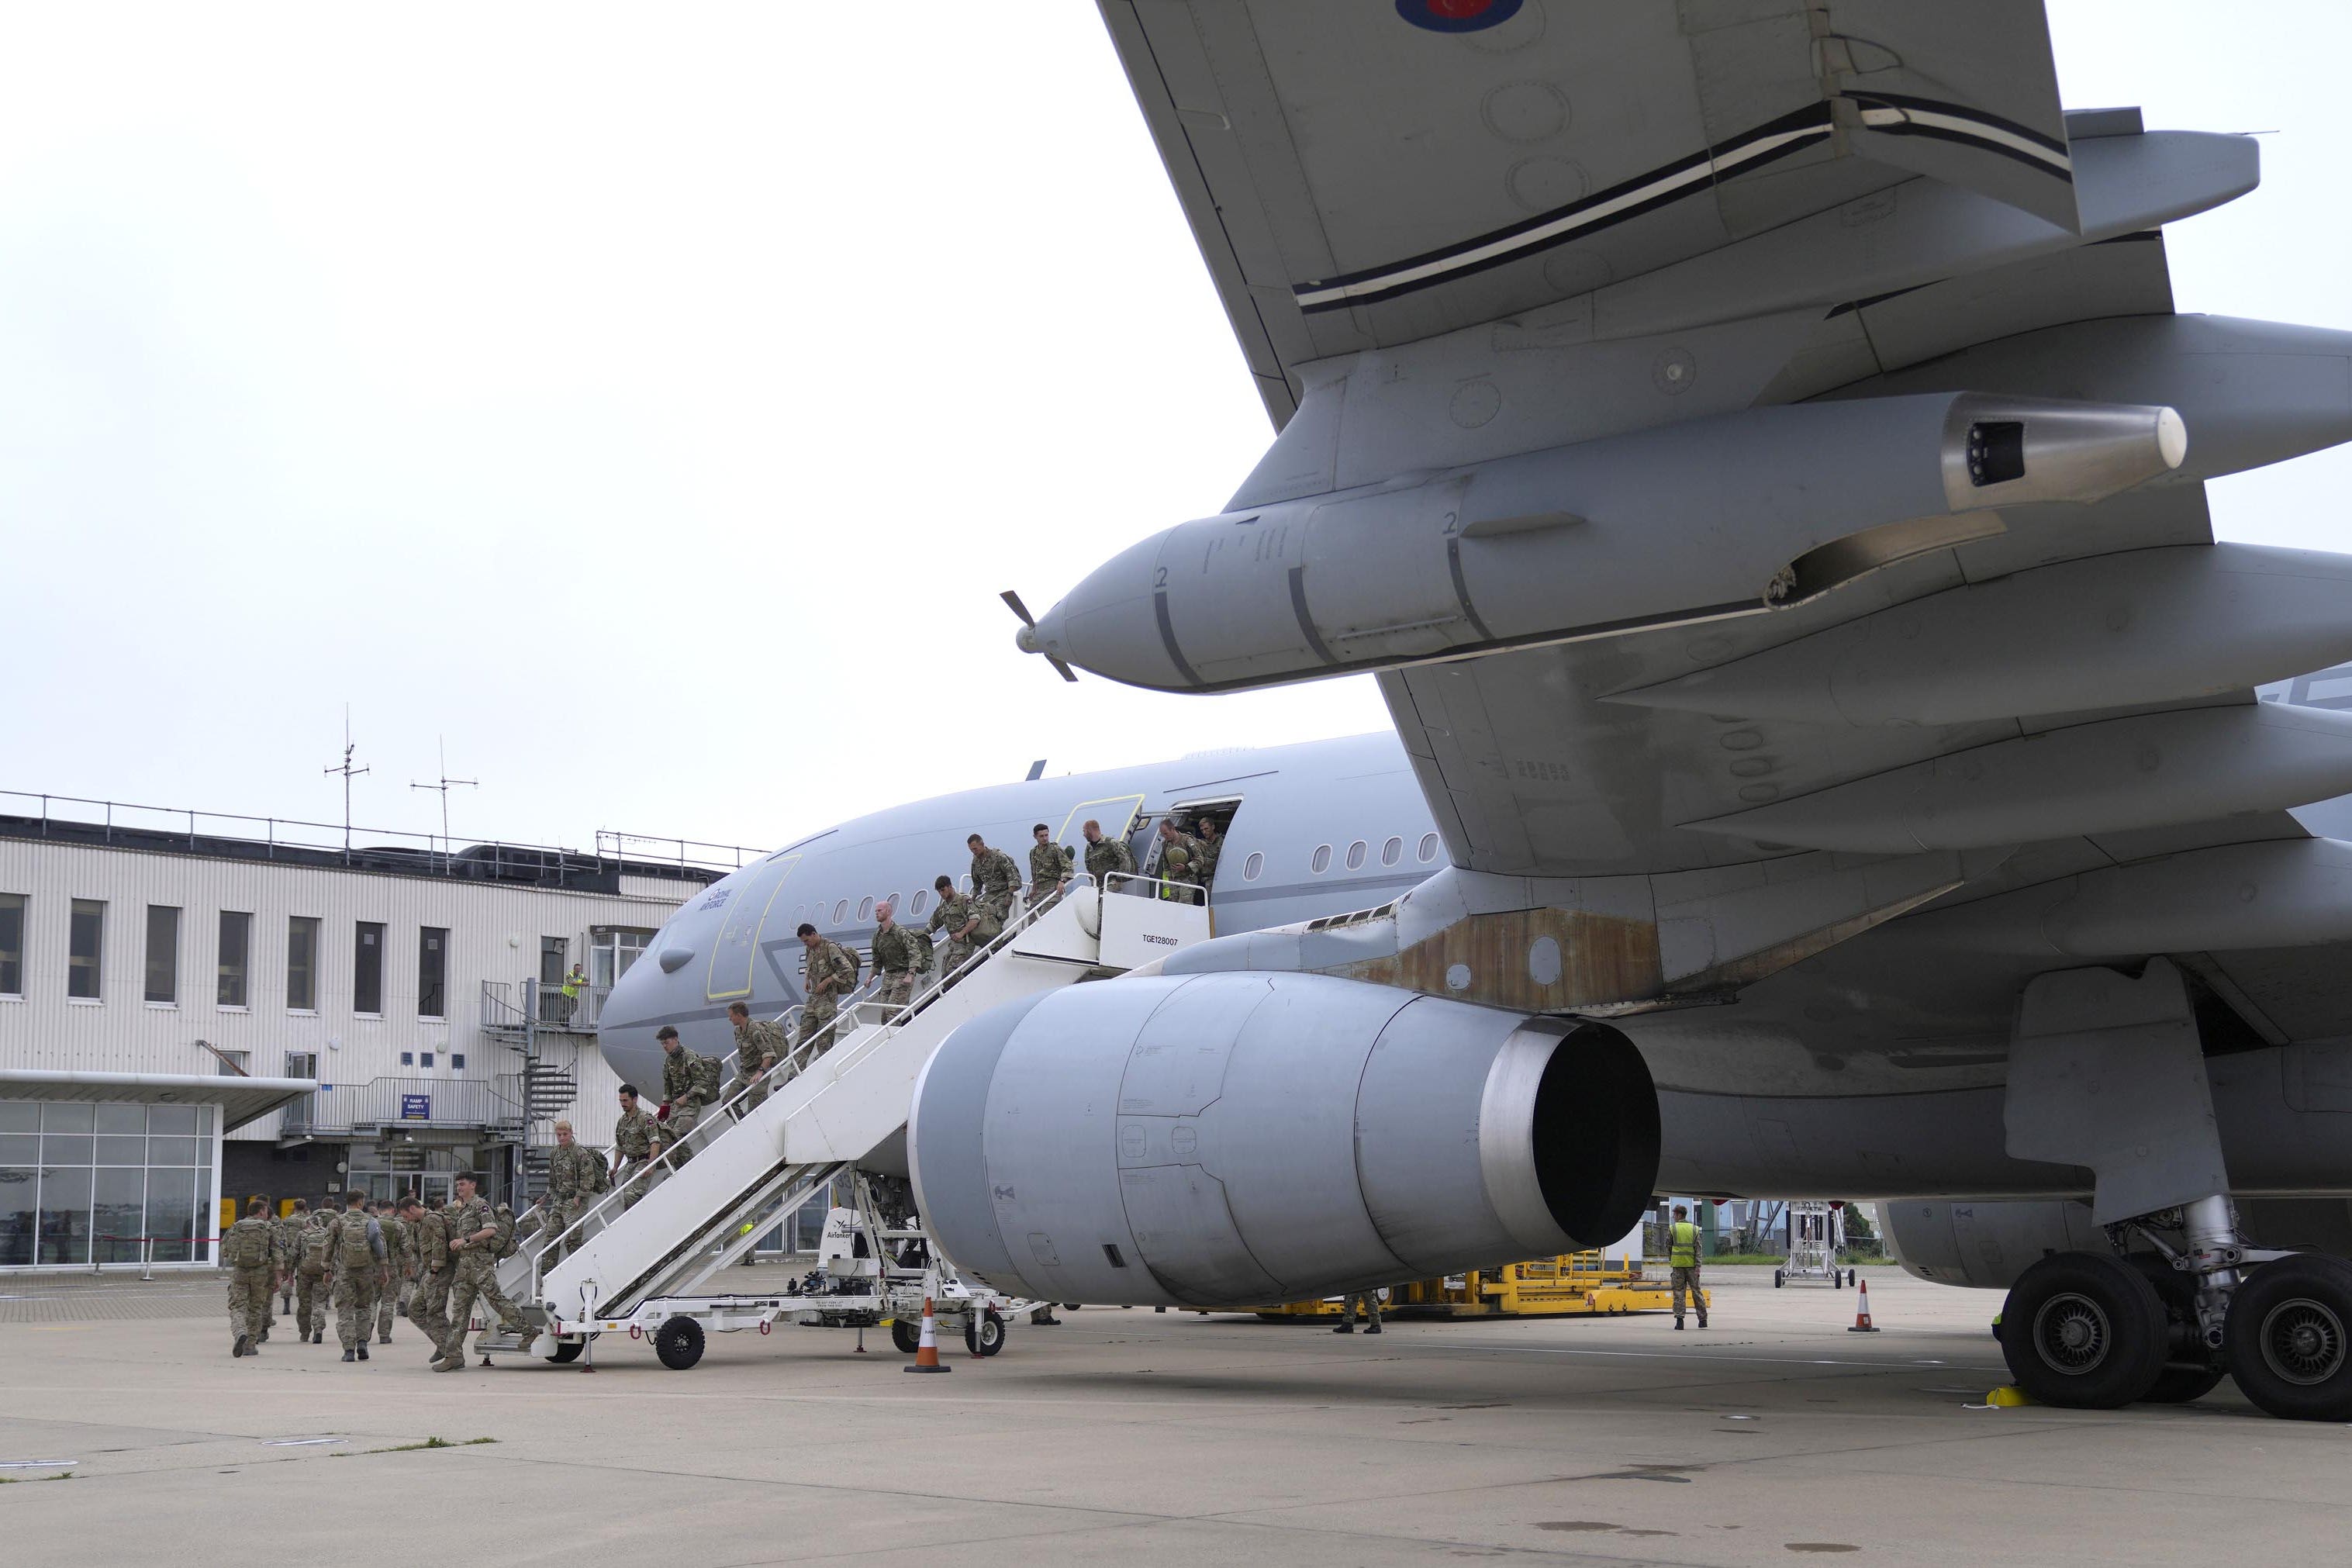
{"x": 639, "y": 1268}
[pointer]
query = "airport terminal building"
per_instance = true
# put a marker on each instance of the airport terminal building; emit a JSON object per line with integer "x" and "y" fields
{"x": 194, "y": 1007}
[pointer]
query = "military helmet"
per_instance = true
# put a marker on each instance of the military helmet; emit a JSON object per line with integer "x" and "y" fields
{"x": 1177, "y": 856}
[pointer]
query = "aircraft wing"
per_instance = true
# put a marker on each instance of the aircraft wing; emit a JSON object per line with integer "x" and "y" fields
{"x": 1359, "y": 175}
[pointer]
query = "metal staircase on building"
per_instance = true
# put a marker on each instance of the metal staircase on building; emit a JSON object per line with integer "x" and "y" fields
{"x": 829, "y": 1113}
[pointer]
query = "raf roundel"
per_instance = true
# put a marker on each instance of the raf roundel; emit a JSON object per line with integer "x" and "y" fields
{"x": 1458, "y": 15}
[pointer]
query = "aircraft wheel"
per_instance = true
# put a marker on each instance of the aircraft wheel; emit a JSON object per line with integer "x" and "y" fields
{"x": 566, "y": 1351}
{"x": 985, "y": 1335}
{"x": 907, "y": 1337}
{"x": 1779, "y": 1277}
{"x": 2290, "y": 1337}
{"x": 2084, "y": 1330}
{"x": 678, "y": 1343}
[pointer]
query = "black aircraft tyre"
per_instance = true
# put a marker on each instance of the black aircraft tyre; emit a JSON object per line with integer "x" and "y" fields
{"x": 985, "y": 1335}
{"x": 2084, "y": 1331}
{"x": 678, "y": 1343}
{"x": 1779, "y": 1276}
{"x": 2190, "y": 1372}
{"x": 566, "y": 1351}
{"x": 2290, "y": 1337}
{"x": 908, "y": 1336}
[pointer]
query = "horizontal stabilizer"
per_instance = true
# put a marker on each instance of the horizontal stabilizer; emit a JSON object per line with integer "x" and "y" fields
{"x": 2119, "y": 631}
{"x": 2149, "y": 770}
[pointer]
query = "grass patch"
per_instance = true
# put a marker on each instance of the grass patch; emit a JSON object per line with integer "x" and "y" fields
{"x": 412, "y": 1448}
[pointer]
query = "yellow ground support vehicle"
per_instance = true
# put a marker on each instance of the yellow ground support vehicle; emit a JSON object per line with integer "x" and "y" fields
{"x": 1572, "y": 1282}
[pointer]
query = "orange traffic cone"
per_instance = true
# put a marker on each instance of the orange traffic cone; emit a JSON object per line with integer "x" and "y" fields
{"x": 927, "y": 1349}
{"x": 1862, "y": 1323}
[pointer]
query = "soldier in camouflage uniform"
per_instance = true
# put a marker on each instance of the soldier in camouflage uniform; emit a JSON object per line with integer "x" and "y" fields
{"x": 312, "y": 1262}
{"x": 996, "y": 879}
{"x": 399, "y": 1270}
{"x": 249, "y": 1249}
{"x": 902, "y": 960}
{"x": 428, "y": 1299}
{"x": 828, "y": 972}
{"x": 759, "y": 1045}
{"x": 685, "y": 1085}
{"x": 1050, "y": 865}
{"x": 1105, "y": 855}
{"x": 355, "y": 1243}
{"x": 634, "y": 1138}
{"x": 286, "y": 1241}
{"x": 474, "y": 1238}
{"x": 966, "y": 922}
{"x": 576, "y": 1176}
{"x": 1178, "y": 862}
{"x": 1213, "y": 843}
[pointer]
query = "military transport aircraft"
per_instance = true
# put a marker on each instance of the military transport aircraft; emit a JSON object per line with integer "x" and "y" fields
{"x": 1755, "y": 449}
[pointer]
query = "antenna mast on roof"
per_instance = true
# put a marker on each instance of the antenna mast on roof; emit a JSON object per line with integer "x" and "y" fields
{"x": 349, "y": 773}
{"x": 446, "y": 784}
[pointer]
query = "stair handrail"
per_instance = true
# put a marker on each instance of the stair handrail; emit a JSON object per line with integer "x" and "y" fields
{"x": 1024, "y": 918}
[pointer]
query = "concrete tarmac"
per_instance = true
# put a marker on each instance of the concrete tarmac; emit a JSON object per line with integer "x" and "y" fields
{"x": 1134, "y": 1438}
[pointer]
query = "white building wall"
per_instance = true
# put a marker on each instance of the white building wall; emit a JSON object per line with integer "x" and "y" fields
{"x": 495, "y": 933}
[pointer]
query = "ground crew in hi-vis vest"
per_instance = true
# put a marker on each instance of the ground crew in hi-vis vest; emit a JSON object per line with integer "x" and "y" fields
{"x": 247, "y": 1250}
{"x": 828, "y": 972}
{"x": 1050, "y": 865}
{"x": 1179, "y": 863}
{"x": 759, "y": 1045}
{"x": 687, "y": 1083}
{"x": 634, "y": 1138}
{"x": 1682, "y": 1256}
{"x": 902, "y": 960}
{"x": 1105, "y": 855}
{"x": 428, "y": 1301}
{"x": 996, "y": 879}
{"x": 355, "y": 1248}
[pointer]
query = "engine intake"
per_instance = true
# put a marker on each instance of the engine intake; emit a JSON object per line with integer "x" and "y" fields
{"x": 1231, "y": 1138}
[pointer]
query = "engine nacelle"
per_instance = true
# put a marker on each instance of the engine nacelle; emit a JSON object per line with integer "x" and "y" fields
{"x": 1231, "y": 1138}
{"x": 1987, "y": 1244}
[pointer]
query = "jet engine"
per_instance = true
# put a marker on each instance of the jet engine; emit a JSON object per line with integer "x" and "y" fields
{"x": 1229, "y": 1139}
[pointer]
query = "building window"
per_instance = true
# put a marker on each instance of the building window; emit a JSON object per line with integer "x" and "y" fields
{"x": 457, "y": 1061}
{"x": 12, "y": 944}
{"x": 408, "y": 1058}
{"x": 85, "y": 941}
{"x": 1321, "y": 862}
{"x": 302, "y": 963}
{"x": 1428, "y": 848}
{"x": 367, "y": 968}
{"x": 236, "y": 944}
{"x": 1252, "y": 865}
{"x": 163, "y": 953}
{"x": 1355, "y": 855}
{"x": 82, "y": 1184}
{"x": 425, "y": 1058}
{"x": 302, "y": 1064}
{"x": 235, "y": 1064}
{"x": 432, "y": 972}
{"x": 1393, "y": 851}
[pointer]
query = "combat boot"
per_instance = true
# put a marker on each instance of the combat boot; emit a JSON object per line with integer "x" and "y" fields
{"x": 364, "y": 1349}
{"x": 244, "y": 1343}
{"x": 318, "y": 1336}
{"x": 349, "y": 1356}
{"x": 530, "y": 1338}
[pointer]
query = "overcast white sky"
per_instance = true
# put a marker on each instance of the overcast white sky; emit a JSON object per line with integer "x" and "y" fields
{"x": 653, "y": 400}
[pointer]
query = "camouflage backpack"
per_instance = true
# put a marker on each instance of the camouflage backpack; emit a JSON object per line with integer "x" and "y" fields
{"x": 352, "y": 1249}
{"x": 507, "y": 1245}
{"x": 314, "y": 1250}
{"x": 246, "y": 1245}
{"x": 705, "y": 1078}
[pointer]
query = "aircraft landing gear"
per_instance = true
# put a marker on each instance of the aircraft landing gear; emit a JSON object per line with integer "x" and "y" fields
{"x": 2288, "y": 1341}
{"x": 2084, "y": 1330}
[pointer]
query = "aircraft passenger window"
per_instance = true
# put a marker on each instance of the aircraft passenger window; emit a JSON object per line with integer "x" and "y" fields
{"x": 1393, "y": 851}
{"x": 1428, "y": 848}
{"x": 841, "y": 912}
{"x": 1252, "y": 865}
{"x": 1322, "y": 861}
{"x": 866, "y": 909}
{"x": 922, "y": 897}
{"x": 1356, "y": 855}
